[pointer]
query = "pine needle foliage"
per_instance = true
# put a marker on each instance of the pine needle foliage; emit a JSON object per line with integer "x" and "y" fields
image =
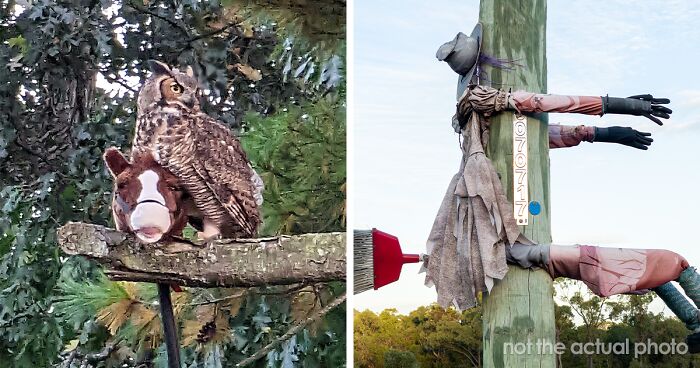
{"x": 300, "y": 154}
{"x": 79, "y": 301}
{"x": 217, "y": 325}
{"x": 318, "y": 22}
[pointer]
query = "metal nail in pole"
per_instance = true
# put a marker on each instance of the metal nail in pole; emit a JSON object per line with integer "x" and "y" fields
{"x": 169, "y": 327}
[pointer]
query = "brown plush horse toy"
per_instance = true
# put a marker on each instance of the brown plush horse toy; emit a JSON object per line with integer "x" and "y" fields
{"x": 148, "y": 200}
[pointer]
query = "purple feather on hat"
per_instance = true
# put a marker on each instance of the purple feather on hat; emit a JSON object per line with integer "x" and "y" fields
{"x": 498, "y": 63}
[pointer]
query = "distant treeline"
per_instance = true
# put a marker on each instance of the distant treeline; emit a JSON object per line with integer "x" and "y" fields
{"x": 620, "y": 328}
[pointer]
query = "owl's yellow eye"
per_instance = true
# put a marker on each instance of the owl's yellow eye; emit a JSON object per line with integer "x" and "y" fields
{"x": 176, "y": 88}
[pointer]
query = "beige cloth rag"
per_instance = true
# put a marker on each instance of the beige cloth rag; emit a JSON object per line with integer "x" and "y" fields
{"x": 475, "y": 220}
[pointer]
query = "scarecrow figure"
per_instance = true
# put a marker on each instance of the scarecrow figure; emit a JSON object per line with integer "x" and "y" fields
{"x": 475, "y": 235}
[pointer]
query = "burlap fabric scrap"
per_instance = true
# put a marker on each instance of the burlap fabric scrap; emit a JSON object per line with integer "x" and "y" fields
{"x": 475, "y": 220}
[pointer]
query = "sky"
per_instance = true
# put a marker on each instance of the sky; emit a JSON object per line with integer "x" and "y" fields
{"x": 405, "y": 150}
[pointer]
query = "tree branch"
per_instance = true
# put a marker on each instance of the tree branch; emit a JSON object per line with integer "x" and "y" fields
{"x": 87, "y": 358}
{"x": 214, "y": 32}
{"x": 307, "y": 258}
{"x": 145, "y": 10}
{"x": 106, "y": 76}
{"x": 292, "y": 331}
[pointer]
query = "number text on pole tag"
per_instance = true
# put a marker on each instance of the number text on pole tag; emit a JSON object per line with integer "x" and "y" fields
{"x": 520, "y": 190}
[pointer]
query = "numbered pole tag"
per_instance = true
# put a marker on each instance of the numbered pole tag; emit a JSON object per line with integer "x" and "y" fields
{"x": 520, "y": 190}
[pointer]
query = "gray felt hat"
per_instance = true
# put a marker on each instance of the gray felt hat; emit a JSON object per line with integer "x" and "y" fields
{"x": 462, "y": 55}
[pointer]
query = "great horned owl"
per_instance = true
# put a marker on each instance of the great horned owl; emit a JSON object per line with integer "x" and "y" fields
{"x": 203, "y": 153}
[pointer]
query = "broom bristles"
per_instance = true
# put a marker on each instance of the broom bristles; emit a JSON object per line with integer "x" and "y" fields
{"x": 363, "y": 258}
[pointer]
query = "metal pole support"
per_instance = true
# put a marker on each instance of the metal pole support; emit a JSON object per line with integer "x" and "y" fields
{"x": 169, "y": 326}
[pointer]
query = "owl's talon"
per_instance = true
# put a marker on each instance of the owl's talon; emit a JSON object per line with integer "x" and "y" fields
{"x": 201, "y": 235}
{"x": 207, "y": 241}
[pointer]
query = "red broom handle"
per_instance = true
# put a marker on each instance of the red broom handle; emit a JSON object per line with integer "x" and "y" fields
{"x": 411, "y": 258}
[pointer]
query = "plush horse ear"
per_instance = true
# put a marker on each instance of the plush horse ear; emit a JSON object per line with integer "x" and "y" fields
{"x": 189, "y": 71}
{"x": 158, "y": 67}
{"x": 116, "y": 162}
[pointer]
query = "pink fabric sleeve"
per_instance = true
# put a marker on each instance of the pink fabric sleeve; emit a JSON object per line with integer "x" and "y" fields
{"x": 562, "y": 136}
{"x": 610, "y": 271}
{"x": 534, "y": 102}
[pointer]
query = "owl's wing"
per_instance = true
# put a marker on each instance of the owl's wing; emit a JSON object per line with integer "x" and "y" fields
{"x": 210, "y": 162}
{"x": 221, "y": 162}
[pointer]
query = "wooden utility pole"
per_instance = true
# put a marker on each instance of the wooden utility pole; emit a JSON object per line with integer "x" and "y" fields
{"x": 518, "y": 319}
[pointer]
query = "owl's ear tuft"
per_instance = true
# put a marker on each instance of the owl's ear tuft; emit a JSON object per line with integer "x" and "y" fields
{"x": 158, "y": 67}
{"x": 116, "y": 162}
{"x": 189, "y": 71}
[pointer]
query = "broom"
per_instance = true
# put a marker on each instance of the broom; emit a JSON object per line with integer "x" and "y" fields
{"x": 378, "y": 259}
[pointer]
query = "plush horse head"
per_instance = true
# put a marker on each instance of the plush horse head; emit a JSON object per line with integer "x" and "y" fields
{"x": 148, "y": 200}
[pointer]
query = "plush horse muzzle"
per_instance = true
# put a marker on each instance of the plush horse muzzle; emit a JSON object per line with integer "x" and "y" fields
{"x": 149, "y": 221}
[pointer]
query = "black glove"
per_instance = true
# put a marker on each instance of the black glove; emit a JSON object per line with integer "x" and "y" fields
{"x": 623, "y": 135}
{"x": 640, "y": 105}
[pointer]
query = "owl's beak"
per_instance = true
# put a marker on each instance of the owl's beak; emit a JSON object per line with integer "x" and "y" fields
{"x": 190, "y": 99}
